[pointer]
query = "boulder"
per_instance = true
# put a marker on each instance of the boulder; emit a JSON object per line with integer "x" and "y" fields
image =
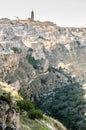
{"x": 2, "y": 125}
{"x": 10, "y": 128}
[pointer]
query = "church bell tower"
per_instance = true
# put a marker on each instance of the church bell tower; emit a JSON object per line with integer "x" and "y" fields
{"x": 32, "y": 15}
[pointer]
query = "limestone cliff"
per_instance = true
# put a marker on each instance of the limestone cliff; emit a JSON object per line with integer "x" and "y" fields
{"x": 9, "y": 117}
{"x": 37, "y": 58}
{"x": 29, "y": 49}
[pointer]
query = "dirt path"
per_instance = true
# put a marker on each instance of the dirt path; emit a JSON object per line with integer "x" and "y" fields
{"x": 36, "y": 76}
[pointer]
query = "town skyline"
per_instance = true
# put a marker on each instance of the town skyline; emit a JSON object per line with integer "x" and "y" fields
{"x": 63, "y": 13}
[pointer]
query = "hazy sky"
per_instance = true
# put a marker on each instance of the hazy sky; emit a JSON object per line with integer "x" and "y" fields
{"x": 61, "y": 12}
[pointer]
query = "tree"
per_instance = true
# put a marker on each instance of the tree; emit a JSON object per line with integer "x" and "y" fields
{"x": 66, "y": 104}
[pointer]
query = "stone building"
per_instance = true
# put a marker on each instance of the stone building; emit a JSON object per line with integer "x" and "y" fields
{"x": 32, "y": 15}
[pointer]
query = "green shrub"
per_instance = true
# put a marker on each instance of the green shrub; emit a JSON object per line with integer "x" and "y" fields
{"x": 35, "y": 114}
{"x": 43, "y": 80}
{"x": 32, "y": 61}
{"x": 43, "y": 128}
{"x": 6, "y": 97}
{"x": 16, "y": 50}
{"x": 24, "y": 105}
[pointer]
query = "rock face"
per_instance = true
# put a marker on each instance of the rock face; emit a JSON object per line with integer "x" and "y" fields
{"x": 9, "y": 118}
{"x": 10, "y": 128}
{"x": 2, "y": 125}
{"x": 40, "y": 55}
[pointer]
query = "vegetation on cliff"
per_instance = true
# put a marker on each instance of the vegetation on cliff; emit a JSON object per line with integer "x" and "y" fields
{"x": 44, "y": 61}
{"x": 32, "y": 61}
{"x": 20, "y": 114}
{"x": 67, "y": 104}
{"x": 27, "y": 106}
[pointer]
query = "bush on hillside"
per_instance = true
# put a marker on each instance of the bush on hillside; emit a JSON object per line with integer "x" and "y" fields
{"x": 26, "y": 105}
{"x": 35, "y": 114}
{"x": 6, "y": 97}
{"x": 32, "y": 61}
{"x": 16, "y": 50}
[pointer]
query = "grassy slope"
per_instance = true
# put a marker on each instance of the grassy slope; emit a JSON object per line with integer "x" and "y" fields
{"x": 46, "y": 124}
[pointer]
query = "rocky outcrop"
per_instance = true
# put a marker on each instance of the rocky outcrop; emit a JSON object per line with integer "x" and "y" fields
{"x": 2, "y": 125}
{"x": 10, "y": 128}
{"x": 9, "y": 118}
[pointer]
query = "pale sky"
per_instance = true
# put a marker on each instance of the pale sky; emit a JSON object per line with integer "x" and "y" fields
{"x": 61, "y": 12}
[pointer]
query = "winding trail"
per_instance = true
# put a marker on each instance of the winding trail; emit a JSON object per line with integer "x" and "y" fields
{"x": 36, "y": 76}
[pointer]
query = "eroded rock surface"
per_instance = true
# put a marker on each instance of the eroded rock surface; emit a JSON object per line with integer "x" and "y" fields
{"x": 29, "y": 49}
